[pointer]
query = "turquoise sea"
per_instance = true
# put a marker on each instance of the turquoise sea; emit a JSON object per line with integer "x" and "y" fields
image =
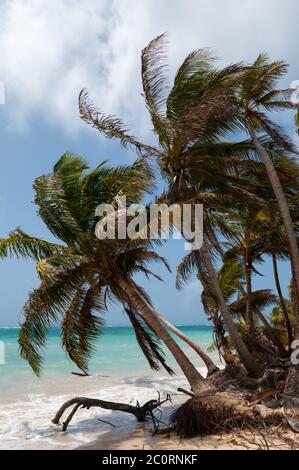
{"x": 117, "y": 351}
{"x": 119, "y": 372}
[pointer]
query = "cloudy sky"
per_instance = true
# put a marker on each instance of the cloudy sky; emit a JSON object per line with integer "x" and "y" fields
{"x": 49, "y": 51}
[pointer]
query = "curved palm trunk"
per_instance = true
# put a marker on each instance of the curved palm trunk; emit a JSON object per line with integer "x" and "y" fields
{"x": 292, "y": 387}
{"x": 252, "y": 367}
{"x": 202, "y": 354}
{"x": 198, "y": 384}
{"x": 282, "y": 302}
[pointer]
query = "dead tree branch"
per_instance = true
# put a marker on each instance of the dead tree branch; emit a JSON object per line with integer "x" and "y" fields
{"x": 141, "y": 413}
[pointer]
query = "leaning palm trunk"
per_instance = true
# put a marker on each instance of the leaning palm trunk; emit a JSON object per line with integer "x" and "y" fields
{"x": 252, "y": 367}
{"x": 249, "y": 311}
{"x": 282, "y": 302}
{"x": 198, "y": 384}
{"x": 293, "y": 376}
{"x": 210, "y": 365}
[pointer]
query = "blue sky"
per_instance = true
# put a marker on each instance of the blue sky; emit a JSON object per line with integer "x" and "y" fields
{"x": 50, "y": 50}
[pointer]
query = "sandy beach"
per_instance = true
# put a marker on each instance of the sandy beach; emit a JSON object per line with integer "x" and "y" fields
{"x": 28, "y": 404}
{"x": 26, "y": 412}
{"x": 26, "y": 423}
{"x": 139, "y": 437}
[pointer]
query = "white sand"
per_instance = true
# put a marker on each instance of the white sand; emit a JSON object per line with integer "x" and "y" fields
{"x": 26, "y": 414}
{"x": 25, "y": 418}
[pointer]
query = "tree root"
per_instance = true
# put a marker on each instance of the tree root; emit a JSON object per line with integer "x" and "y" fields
{"x": 141, "y": 413}
{"x": 232, "y": 378}
{"x": 219, "y": 413}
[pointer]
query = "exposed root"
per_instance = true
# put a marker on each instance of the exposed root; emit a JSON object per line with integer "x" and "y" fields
{"x": 232, "y": 378}
{"x": 217, "y": 414}
{"x": 267, "y": 437}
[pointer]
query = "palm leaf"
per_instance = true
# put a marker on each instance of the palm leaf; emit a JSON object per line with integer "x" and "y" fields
{"x": 154, "y": 72}
{"x": 42, "y": 310}
{"x": 55, "y": 209}
{"x": 111, "y": 127}
{"x": 148, "y": 342}
{"x": 22, "y": 245}
{"x": 80, "y": 328}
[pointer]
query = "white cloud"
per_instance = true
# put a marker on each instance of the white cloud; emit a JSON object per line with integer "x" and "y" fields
{"x": 50, "y": 50}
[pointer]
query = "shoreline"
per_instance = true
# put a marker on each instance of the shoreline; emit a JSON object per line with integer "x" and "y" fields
{"x": 26, "y": 424}
{"x": 26, "y": 420}
{"x": 138, "y": 436}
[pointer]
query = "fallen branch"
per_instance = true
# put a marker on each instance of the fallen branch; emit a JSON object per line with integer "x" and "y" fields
{"x": 141, "y": 413}
{"x": 107, "y": 422}
{"x": 80, "y": 374}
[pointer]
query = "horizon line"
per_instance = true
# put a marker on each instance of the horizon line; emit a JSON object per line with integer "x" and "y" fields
{"x": 107, "y": 326}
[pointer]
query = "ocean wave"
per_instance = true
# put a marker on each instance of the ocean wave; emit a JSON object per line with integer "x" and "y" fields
{"x": 10, "y": 327}
{"x": 26, "y": 423}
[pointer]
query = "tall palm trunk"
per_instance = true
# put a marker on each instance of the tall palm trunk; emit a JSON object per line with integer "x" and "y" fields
{"x": 198, "y": 384}
{"x": 292, "y": 387}
{"x": 282, "y": 302}
{"x": 252, "y": 367}
{"x": 249, "y": 310}
{"x": 248, "y": 273}
{"x": 285, "y": 215}
{"x": 202, "y": 354}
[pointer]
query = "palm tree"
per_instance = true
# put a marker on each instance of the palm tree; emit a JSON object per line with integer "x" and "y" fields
{"x": 189, "y": 121}
{"x": 265, "y": 224}
{"x": 258, "y": 93}
{"x": 249, "y": 245}
{"x": 82, "y": 273}
{"x": 231, "y": 279}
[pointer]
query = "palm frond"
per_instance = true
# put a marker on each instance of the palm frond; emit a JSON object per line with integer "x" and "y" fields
{"x": 154, "y": 79}
{"x": 148, "y": 342}
{"x": 22, "y": 245}
{"x": 55, "y": 210}
{"x": 260, "y": 299}
{"x": 275, "y": 131}
{"x": 42, "y": 310}
{"x": 111, "y": 127}
{"x": 186, "y": 269}
{"x": 190, "y": 81}
{"x": 80, "y": 328}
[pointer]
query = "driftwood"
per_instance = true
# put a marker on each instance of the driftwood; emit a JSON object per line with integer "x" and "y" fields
{"x": 141, "y": 413}
{"x": 81, "y": 374}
